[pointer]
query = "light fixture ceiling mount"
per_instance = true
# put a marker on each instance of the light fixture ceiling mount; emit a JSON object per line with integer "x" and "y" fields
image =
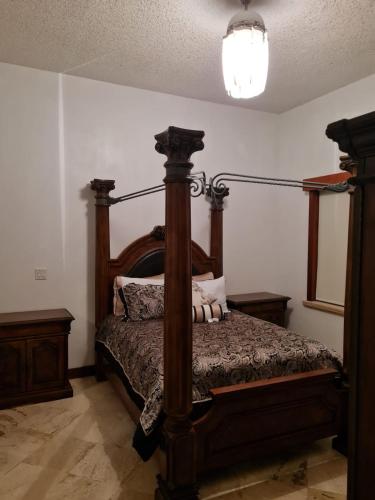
{"x": 245, "y": 54}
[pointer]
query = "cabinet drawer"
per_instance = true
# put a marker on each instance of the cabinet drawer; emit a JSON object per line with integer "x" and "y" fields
{"x": 270, "y": 307}
{"x": 12, "y": 367}
{"x": 275, "y": 317}
{"x": 46, "y": 363}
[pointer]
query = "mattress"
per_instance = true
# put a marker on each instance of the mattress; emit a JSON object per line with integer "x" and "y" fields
{"x": 237, "y": 350}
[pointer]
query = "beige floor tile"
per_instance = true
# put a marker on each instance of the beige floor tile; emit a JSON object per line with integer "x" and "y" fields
{"x": 8, "y": 460}
{"x": 320, "y": 452}
{"x": 80, "y": 448}
{"x": 17, "y": 483}
{"x": 89, "y": 395}
{"x": 7, "y": 422}
{"x": 267, "y": 490}
{"x": 32, "y": 482}
{"x": 39, "y": 417}
{"x": 107, "y": 463}
{"x": 243, "y": 475}
{"x": 24, "y": 441}
{"x": 17, "y": 444}
{"x": 324, "y": 495}
{"x": 140, "y": 484}
{"x": 60, "y": 453}
{"x": 91, "y": 460}
{"x": 330, "y": 476}
{"x": 98, "y": 426}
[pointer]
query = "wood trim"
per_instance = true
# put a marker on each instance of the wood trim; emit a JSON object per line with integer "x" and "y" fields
{"x": 216, "y": 229}
{"x": 313, "y": 229}
{"x": 257, "y": 418}
{"x": 348, "y": 287}
{"x": 312, "y": 266}
{"x": 327, "y": 179}
{"x": 324, "y": 306}
{"x": 81, "y": 371}
{"x": 178, "y": 480}
{"x": 357, "y": 138}
{"x": 102, "y": 187}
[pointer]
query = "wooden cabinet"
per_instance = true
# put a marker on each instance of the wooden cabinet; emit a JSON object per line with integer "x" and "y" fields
{"x": 263, "y": 305}
{"x": 12, "y": 367}
{"x": 34, "y": 356}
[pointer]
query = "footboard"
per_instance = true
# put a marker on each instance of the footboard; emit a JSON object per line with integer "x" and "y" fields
{"x": 267, "y": 416}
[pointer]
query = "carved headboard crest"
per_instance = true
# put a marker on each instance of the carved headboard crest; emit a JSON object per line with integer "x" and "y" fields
{"x": 158, "y": 233}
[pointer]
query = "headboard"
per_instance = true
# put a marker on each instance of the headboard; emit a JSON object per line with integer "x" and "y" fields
{"x": 143, "y": 257}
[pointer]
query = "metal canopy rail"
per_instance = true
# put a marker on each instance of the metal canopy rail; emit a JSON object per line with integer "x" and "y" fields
{"x": 198, "y": 187}
{"x": 216, "y": 186}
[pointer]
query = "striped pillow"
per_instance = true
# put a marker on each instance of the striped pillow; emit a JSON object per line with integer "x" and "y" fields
{"x": 208, "y": 313}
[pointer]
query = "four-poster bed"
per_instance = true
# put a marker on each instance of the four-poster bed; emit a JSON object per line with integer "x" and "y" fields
{"x": 244, "y": 420}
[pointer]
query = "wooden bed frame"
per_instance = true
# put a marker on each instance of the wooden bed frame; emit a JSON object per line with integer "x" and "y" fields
{"x": 244, "y": 420}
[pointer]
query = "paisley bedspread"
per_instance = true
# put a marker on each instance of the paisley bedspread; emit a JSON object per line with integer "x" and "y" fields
{"x": 236, "y": 350}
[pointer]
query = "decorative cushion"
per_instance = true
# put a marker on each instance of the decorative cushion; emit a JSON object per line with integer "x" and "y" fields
{"x": 143, "y": 301}
{"x": 210, "y": 292}
{"x": 204, "y": 277}
{"x": 208, "y": 313}
{"x": 120, "y": 281}
{"x": 197, "y": 277}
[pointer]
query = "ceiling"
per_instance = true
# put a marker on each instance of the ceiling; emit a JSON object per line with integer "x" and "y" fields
{"x": 174, "y": 46}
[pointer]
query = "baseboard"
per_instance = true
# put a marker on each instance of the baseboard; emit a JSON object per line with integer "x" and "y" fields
{"x": 81, "y": 371}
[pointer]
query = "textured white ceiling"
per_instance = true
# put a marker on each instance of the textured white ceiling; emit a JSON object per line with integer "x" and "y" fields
{"x": 174, "y": 46}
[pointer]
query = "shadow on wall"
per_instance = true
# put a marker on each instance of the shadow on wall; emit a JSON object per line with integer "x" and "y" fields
{"x": 87, "y": 194}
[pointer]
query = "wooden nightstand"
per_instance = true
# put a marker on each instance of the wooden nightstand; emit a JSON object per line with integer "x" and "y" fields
{"x": 34, "y": 356}
{"x": 263, "y": 305}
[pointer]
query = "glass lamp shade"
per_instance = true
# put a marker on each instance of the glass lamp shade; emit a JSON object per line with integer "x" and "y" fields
{"x": 245, "y": 59}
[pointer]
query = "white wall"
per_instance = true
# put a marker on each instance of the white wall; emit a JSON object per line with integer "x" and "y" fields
{"x": 94, "y": 129}
{"x": 59, "y": 132}
{"x": 304, "y": 151}
{"x": 30, "y": 201}
{"x": 109, "y": 133}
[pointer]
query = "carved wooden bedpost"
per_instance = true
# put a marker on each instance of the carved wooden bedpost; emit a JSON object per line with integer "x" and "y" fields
{"x": 357, "y": 138}
{"x": 102, "y": 255}
{"x": 348, "y": 164}
{"x": 179, "y": 478}
{"x": 216, "y": 232}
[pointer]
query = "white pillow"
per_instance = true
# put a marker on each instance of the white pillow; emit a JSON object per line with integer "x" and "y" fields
{"x": 210, "y": 292}
{"x": 120, "y": 281}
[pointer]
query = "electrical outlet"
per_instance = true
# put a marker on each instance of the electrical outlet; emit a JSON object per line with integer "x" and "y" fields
{"x": 40, "y": 274}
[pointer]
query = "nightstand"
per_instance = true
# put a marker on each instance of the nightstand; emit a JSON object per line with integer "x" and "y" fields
{"x": 34, "y": 356}
{"x": 263, "y": 305}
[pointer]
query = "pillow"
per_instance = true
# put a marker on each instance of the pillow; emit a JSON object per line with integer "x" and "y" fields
{"x": 120, "y": 281}
{"x": 198, "y": 277}
{"x": 208, "y": 312}
{"x": 210, "y": 292}
{"x": 204, "y": 277}
{"x": 143, "y": 301}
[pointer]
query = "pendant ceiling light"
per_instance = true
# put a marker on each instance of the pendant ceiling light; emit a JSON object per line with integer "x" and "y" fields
{"x": 245, "y": 55}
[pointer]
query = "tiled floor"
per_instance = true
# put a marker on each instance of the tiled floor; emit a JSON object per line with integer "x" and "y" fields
{"x": 80, "y": 448}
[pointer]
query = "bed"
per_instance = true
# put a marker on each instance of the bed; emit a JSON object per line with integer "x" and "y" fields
{"x": 302, "y": 398}
{"x": 237, "y": 350}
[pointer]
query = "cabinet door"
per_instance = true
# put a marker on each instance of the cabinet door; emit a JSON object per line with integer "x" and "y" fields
{"x": 12, "y": 367}
{"x": 45, "y": 359}
{"x": 276, "y": 317}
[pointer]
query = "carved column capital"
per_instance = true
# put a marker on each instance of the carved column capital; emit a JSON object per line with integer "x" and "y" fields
{"x": 347, "y": 163}
{"x": 355, "y": 136}
{"x": 178, "y": 144}
{"x": 216, "y": 196}
{"x": 351, "y": 166}
{"x": 102, "y": 187}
